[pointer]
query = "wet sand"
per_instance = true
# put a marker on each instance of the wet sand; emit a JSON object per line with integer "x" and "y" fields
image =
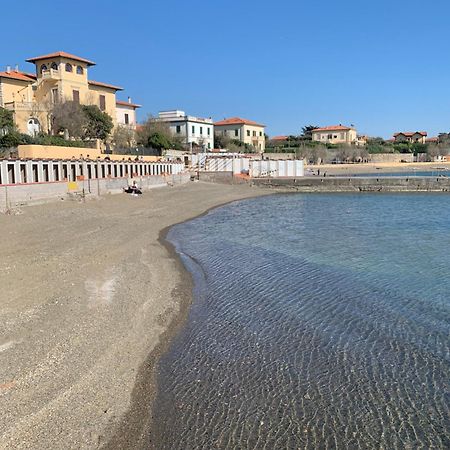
{"x": 90, "y": 295}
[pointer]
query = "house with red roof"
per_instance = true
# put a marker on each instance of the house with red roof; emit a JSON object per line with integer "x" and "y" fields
{"x": 336, "y": 134}
{"x": 243, "y": 130}
{"x": 126, "y": 113}
{"x": 57, "y": 77}
{"x": 411, "y": 136}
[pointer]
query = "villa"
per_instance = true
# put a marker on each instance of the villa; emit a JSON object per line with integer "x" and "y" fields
{"x": 411, "y": 137}
{"x": 336, "y": 134}
{"x": 246, "y": 131}
{"x": 194, "y": 131}
{"x": 58, "y": 77}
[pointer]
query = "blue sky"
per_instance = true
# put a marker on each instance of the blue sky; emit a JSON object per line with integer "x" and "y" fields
{"x": 381, "y": 65}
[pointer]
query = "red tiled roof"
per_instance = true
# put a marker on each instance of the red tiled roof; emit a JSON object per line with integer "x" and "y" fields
{"x": 279, "y": 138}
{"x": 105, "y": 85}
{"x": 61, "y": 55}
{"x": 333, "y": 128}
{"x": 131, "y": 105}
{"x": 22, "y": 76}
{"x": 237, "y": 121}
{"x": 411, "y": 133}
{"x": 432, "y": 139}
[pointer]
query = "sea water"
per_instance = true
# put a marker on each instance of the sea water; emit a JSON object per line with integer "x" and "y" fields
{"x": 320, "y": 321}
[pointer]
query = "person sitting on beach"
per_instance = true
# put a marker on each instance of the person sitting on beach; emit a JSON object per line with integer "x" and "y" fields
{"x": 133, "y": 189}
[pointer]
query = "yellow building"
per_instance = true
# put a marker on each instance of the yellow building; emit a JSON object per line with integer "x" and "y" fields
{"x": 243, "y": 130}
{"x": 58, "y": 77}
{"x": 336, "y": 134}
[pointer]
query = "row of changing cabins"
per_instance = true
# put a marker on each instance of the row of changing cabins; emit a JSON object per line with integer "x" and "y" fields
{"x": 47, "y": 171}
{"x": 27, "y": 171}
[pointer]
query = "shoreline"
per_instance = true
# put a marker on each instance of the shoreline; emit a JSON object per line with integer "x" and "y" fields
{"x": 146, "y": 387}
{"x": 94, "y": 394}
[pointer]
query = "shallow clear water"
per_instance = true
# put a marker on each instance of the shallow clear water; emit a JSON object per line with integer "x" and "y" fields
{"x": 320, "y": 321}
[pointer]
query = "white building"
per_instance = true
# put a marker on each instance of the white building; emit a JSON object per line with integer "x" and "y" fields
{"x": 193, "y": 130}
{"x": 126, "y": 113}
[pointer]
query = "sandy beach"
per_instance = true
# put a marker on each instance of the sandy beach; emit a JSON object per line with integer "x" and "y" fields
{"x": 90, "y": 295}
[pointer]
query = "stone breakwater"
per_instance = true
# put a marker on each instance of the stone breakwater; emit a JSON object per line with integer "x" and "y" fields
{"x": 356, "y": 184}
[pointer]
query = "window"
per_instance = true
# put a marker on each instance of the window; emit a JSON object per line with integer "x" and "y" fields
{"x": 260, "y": 133}
{"x": 248, "y": 132}
{"x": 102, "y": 102}
{"x": 54, "y": 66}
{"x": 55, "y": 95}
{"x": 209, "y": 131}
{"x": 236, "y": 133}
{"x": 178, "y": 129}
{"x": 69, "y": 67}
{"x": 80, "y": 70}
{"x": 43, "y": 67}
{"x": 76, "y": 96}
{"x": 201, "y": 130}
{"x": 254, "y": 134}
{"x": 127, "y": 119}
{"x": 330, "y": 136}
{"x": 193, "y": 129}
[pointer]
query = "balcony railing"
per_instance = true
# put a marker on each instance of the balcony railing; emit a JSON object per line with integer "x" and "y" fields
{"x": 24, "y": 106}
{"x": 50, "y": 74}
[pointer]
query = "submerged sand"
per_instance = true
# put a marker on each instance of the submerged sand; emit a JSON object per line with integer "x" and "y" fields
{"x": 89, "y": 296}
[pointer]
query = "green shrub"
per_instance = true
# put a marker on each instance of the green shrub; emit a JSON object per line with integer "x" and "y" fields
{"x": 45, "y": 139}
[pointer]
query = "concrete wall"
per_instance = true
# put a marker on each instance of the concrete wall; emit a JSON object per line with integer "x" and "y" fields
{"x": 16, "y": 195}
{"x": 56, "y": 152}
{"x": 354, "y": 184}
{"x": 279, "y": 156}
{"x": 391, "y": 157}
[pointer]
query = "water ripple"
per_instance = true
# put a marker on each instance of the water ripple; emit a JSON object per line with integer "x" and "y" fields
{"x": 320, "y": 325}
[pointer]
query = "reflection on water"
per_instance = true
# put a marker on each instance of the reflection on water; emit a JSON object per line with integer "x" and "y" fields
{"x": 320, "y": 321}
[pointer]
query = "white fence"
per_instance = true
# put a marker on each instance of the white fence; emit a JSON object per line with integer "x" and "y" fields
{"x": 253, "y": 168}
{"x": 14, "y": 172}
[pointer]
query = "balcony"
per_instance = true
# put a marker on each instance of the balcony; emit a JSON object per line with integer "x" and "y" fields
{"x": 25, "y": 106}
{"x": 50, "y": 74}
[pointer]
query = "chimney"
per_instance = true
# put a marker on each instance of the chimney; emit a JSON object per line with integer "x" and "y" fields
{"x": 8, "y": 69}
{"x": 17, "y": 68}
{"x": 129, "y": 99}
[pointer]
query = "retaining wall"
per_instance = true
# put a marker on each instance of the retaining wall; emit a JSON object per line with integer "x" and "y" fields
{"x": 59, "y": 152}
{"x": 21, "y": 194}
{"x": 357, "y": 184}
